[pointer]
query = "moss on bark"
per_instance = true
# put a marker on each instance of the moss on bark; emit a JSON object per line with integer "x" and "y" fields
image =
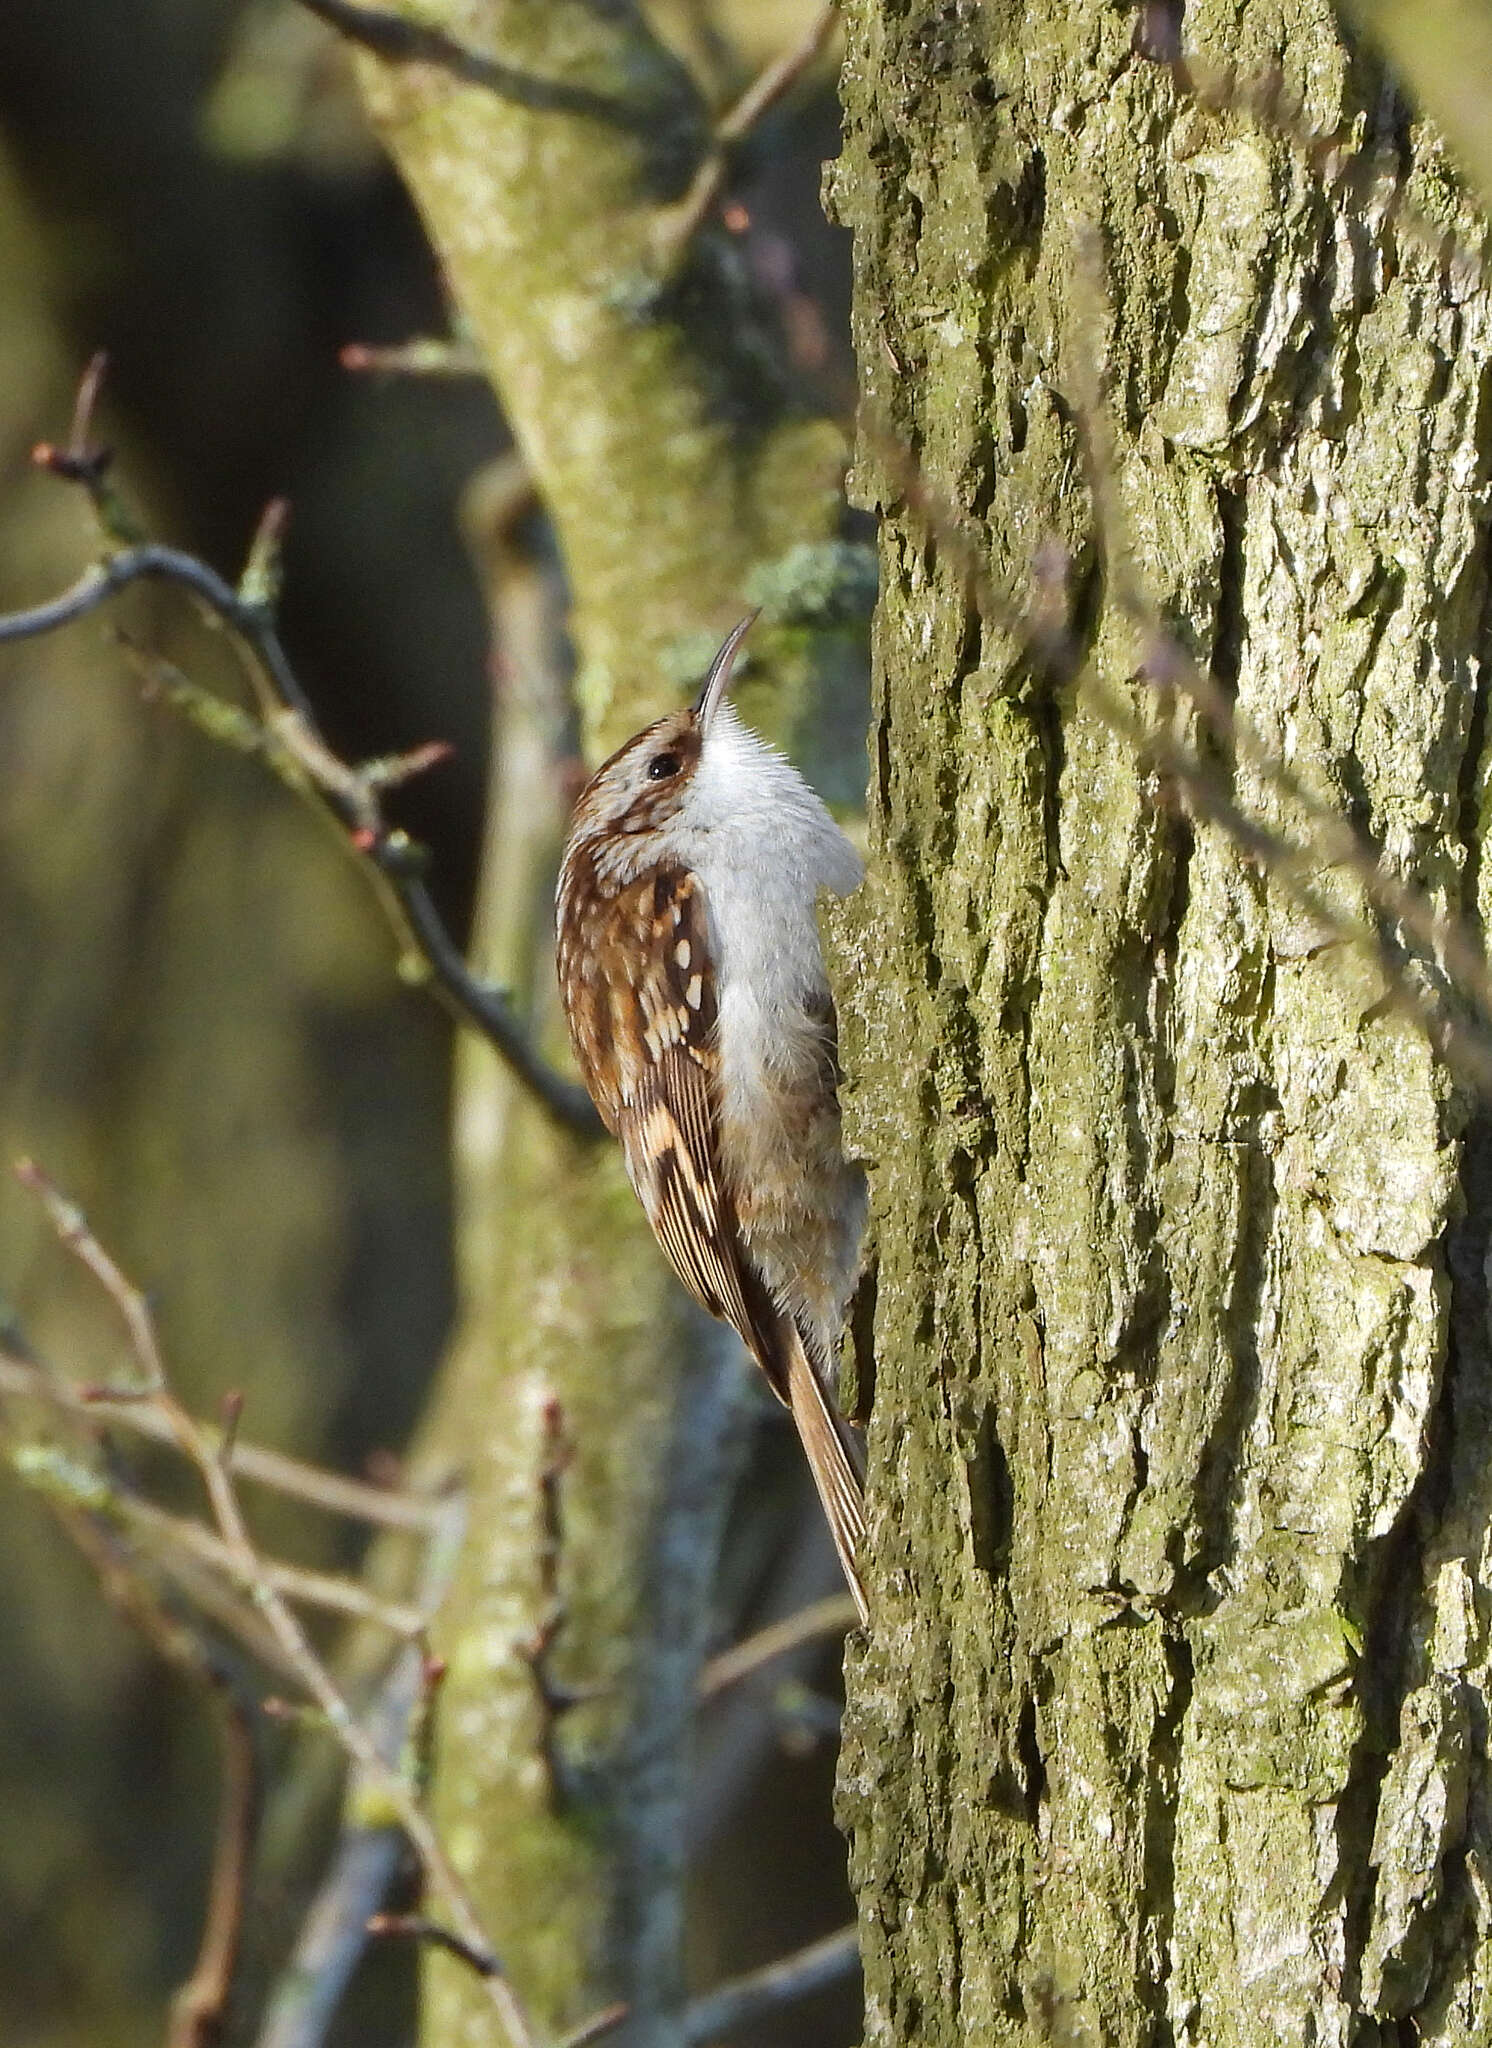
{"x": 1178, "y": 1533}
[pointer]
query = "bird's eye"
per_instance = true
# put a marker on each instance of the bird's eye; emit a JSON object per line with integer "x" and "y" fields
{"x": 662, "y": 766}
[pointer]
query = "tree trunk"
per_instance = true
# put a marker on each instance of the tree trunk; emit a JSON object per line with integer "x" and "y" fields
{"x": 662, "y": 442}
{"x": 1171, "y": 1726}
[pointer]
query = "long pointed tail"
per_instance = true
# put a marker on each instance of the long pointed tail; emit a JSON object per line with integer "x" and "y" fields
{"x": 833, "y": 1461}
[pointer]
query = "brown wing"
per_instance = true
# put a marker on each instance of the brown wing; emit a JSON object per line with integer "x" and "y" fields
{"x": 667, "y": 1121}
{"x": 646, "y": 1043}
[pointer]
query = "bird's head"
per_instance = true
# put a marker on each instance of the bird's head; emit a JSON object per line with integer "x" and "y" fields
{"x": 654, "y": 782}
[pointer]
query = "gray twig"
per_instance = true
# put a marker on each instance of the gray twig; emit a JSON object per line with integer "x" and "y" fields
{"x": 710, "y": 1435}
{"x": 370, "y": 1851}
{"x": 752, "y": 1997}
{"x": 332, "y": 1938}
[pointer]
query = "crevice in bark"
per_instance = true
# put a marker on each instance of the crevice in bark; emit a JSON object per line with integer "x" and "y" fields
{"x": 882, "y": 743}
{"x": 1028, "y": 1749}
{"x": 1223, "y": 1461}
{"x": 1472, "y": 780}
{"x": 1159, "y": 1901}
{"x": 1016, "y": 215}
{"x": 1172, "y": 922}
{"x": 1397, "y": 1595}
{"x": 991, "y": 1495}
{"x": 1228, "y": 630}
{"x": 1380, "y": 605}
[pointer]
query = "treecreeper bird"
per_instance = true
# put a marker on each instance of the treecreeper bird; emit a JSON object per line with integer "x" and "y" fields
{"x": 693, "y": 980}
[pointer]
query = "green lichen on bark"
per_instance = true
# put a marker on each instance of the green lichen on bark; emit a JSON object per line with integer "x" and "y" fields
{"x": 1158, "y": 1728}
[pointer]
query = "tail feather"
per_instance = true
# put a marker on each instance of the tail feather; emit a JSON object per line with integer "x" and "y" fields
{"x": 834, "y": 1462}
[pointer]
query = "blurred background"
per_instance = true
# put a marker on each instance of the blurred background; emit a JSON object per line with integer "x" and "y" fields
{"x": 201, "y": 1033}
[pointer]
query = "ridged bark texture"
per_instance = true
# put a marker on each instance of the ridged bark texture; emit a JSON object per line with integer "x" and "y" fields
{"x": 1171, "y": 1727}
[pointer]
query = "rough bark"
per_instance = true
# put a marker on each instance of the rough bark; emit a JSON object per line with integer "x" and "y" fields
{"x": 1172, "y": 1723}
{"x": 673, "y": 467}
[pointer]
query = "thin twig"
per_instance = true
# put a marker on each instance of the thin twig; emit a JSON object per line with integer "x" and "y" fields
{"x": 71, "y": 1226}
{"x": 711, "y": 1426}
{"x": 200, "y": 2008}
{"x": 424, "y": 356}
{"x": 161, "y": 1529}
{"x": 349, "y": 795}
{"x": 831, "y": 1616}
{"x": 370, "y": 1852}
{"x": 316, "y": 1681}
{"x": 332, "y": 1938}
{"x": 678, "y": 224}
{"x": 598, "y": 2026}
{"x": 84, "y": 462}
{"x": 416, "y": 1927}
{"x": 753, "y": 1997}
{"x": 273, "y": 1470}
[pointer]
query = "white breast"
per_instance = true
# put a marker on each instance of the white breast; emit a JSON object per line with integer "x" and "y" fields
{"x": 763, "y": 845}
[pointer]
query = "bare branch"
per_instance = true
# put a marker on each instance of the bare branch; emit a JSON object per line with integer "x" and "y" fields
{"x": 753, "y": 1997}
{"x": 201, "y": 1449}
{"x": 425, "y": 356}
{"x": 678, "y": 224}
{"x": 332, "y": 1939}
{"x": 270, "y": 1469}
{"x": 831, "y": 1616}
{"x": 598, "y": 2026}
{"x": 159, "y": 1529}
{"x": 398, "y": 40}
{"x": 200, "y": 2008}
{"x": 84, "y": 462}
{"x": 350, "y": 795}
{"x": 711, "y": 1430}
{"x": 369, "y": 1853}
{"x": 415, "y": 1927}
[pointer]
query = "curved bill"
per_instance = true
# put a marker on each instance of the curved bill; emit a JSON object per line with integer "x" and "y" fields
{"x": 720, "y": 668}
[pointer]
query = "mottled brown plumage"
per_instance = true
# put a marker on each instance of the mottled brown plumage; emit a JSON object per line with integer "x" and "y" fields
{"x": 694, "y": 986}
